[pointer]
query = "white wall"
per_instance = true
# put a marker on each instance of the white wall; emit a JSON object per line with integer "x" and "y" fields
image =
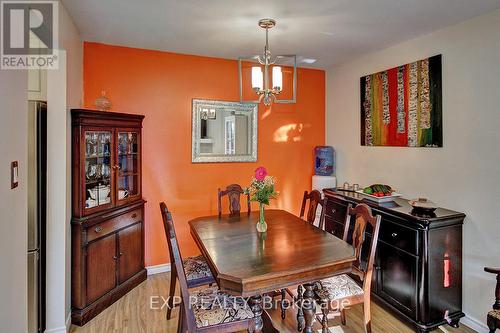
{"x": 64, "y": 91}
{"x": 13, "y": 203}
{"x": 71, "y": 41}
{"x": 57, "y": 211}
{"x": 464, "y": 174}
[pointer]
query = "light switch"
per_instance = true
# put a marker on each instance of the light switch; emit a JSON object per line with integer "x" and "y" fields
{"x": 13, "y": 175}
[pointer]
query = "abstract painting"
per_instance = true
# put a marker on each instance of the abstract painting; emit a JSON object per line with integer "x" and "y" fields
{"x": 402, "y": 106}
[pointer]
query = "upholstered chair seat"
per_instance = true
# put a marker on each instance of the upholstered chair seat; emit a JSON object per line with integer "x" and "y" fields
{"x": 213, "y": 307}
{"x": 338, "y": 287}
{"x": 495, "y": 314}
{"x": 197, "y": 271}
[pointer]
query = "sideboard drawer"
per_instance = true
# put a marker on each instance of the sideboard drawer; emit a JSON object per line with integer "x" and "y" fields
{"x": 336, "y": 210}
{"x": 334, "y": 227}
{"x": 104, "y": 228}
{"x": 399, "y": 236}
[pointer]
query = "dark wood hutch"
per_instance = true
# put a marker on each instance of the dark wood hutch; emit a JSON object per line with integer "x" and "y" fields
{"x": 107, "y": 227}
{"x": 418, "y": 263}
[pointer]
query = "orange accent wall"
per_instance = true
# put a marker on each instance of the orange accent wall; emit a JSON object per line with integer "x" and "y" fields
{"x": 161, "y": 86}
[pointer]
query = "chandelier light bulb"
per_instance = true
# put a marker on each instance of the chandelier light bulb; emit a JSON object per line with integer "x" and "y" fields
{"x": 277, "y": 78}
{"x": 257, "y": 78}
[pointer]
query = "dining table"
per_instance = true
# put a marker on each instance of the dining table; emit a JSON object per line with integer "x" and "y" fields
{"x": 250, "y": 264}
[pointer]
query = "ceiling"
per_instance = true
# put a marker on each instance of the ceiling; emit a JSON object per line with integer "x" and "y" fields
{"x": 330, "y": 31}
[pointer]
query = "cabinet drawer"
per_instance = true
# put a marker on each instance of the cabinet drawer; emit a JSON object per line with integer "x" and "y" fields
{"x": 336, "y": 209}
{"x": 399, "y": 236}
{"x": 111, "y": 225}
{"x": 334, "y": 227}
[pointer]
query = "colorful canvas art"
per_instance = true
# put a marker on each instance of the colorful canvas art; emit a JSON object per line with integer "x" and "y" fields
{"x": 402, "y": 106}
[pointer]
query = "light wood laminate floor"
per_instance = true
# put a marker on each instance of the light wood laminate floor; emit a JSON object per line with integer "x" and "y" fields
{"x": 133, "y": 314}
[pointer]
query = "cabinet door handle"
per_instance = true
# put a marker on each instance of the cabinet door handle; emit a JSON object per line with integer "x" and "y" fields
{"x": 121, "y": 253}
{"x": 394, "y": 235}
{"x": 134, "y": 215}
{"x": 333, "y": 210}
{"x": 115, "y": 257}
{"x": 98, "y": 229}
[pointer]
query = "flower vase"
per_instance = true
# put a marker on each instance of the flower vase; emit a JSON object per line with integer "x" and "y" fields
{"x": 261, "y": 225}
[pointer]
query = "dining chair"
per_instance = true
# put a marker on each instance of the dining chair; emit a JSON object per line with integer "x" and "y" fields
{"x": 233, "y": 192}
{"x": 315, "y": 200}
{"x": 205, "y": 310}
{"x": 493, "y": 318}
{"x": 338, "y": 291}
{"x": 196, "y": 270}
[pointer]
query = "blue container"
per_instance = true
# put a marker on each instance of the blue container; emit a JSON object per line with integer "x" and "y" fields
{"x": 324, "y": 164}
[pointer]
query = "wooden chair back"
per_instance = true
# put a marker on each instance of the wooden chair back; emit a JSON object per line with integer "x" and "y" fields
{"x": 496, "y": 305}
{"x": 176, "y": 258}
{"x": 363, "y": 217}
{"x": 233, "y": 192}
{"x": 315, "y": 200}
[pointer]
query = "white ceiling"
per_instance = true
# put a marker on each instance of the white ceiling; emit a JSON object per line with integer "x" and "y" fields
{"x": 331, "y": 31}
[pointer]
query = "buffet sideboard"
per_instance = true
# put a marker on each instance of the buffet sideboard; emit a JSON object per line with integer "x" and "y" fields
{"x": 418, "y": 264}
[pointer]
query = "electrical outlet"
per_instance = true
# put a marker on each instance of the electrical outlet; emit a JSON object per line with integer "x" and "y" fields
{"x": 14, "y": 175}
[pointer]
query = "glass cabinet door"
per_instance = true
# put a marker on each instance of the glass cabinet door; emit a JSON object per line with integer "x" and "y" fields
{"x": 98, "y": 185}
{"x": 128, "y": 165}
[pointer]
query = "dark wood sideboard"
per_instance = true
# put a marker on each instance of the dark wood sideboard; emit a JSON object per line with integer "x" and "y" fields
{"x": 107, "y": 228}
{"x": 418, "y": 264}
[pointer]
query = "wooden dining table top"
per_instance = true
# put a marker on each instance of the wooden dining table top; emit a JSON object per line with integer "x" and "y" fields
{"x": 292, "y": 251}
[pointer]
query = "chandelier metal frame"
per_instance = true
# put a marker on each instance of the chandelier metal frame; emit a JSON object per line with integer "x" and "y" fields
{"x": 268, "y": 94}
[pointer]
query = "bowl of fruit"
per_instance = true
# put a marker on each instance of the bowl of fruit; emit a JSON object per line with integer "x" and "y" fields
{"x": 379, "y": 193}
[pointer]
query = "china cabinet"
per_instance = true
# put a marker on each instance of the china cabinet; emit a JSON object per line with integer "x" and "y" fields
{"x": 108, "y": 210}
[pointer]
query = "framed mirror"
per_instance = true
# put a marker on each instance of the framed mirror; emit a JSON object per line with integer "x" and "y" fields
{"x": 224, "y": 131}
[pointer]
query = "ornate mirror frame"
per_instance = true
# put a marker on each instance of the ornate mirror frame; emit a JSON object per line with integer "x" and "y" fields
{"x": 198, "y": 104}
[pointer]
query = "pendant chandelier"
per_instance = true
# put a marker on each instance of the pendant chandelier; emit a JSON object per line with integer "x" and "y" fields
{"x": 268, "y": 87}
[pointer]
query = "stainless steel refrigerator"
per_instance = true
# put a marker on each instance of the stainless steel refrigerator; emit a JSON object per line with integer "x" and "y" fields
{"x": 37, "y": 145}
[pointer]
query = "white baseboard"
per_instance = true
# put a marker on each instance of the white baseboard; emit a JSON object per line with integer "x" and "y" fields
{"x": 475, "y": 324}
{"x": 62, "y": 329}
{"x": 157, "y": 269}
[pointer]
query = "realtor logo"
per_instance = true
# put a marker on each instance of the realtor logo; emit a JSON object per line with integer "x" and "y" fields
{"x": 29, "y": 34}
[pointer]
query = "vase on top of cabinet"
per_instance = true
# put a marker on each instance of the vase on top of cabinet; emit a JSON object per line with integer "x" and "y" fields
{"x": 108, "y": 210}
